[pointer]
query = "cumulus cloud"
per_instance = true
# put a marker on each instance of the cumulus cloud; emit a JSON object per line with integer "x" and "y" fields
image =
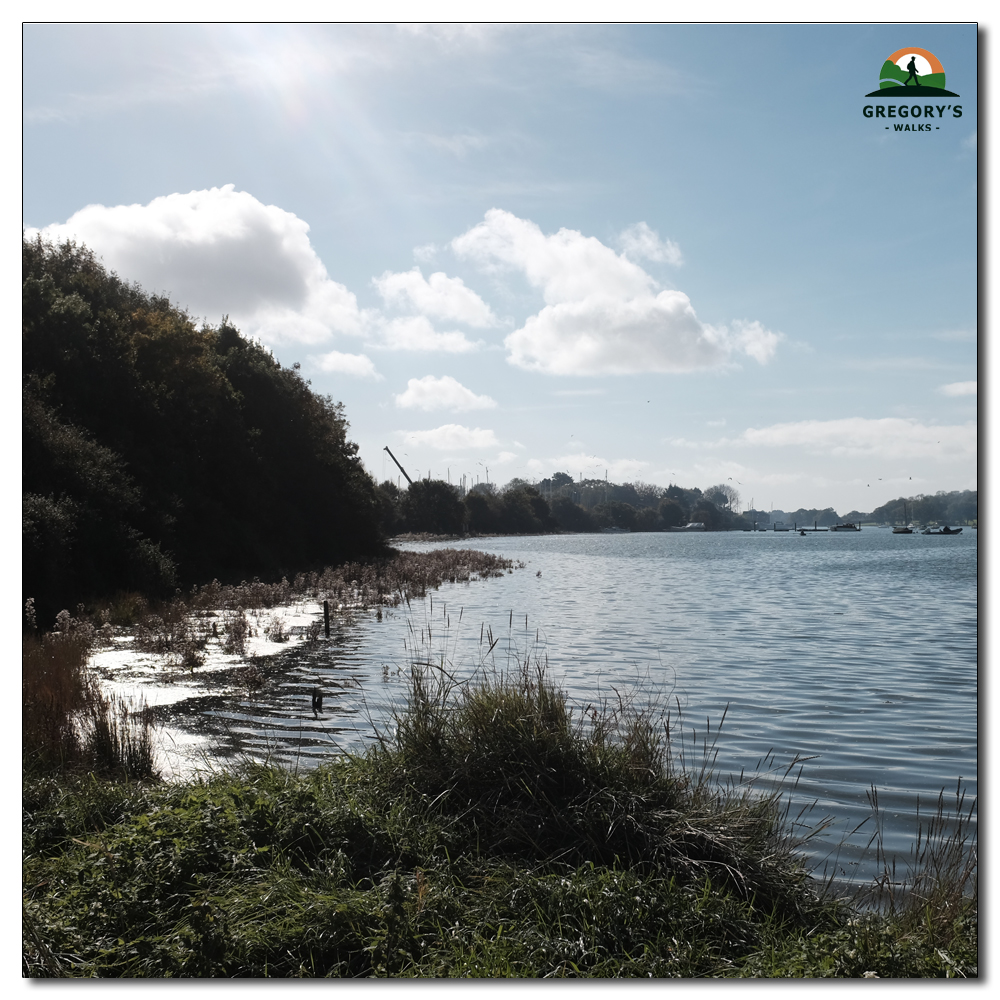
{"x": 603, "y": 314}
{"x": 221, "y": 251}
{"x": 888, "y": 437}
{"x": 417, "y": 333}
{"x": 445, "y": 393}
{"x": 452, "y": 437}
{"x": 639, "y": 241}
{"x": 439, "y": 296}
{"x": 355, "y": 365}
{"x": 960, "y": 389}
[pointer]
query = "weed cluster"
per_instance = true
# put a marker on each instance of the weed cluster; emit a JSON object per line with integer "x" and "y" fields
{"x": 184, "y": 625}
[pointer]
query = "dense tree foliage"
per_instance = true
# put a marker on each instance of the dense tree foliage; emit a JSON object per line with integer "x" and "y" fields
{"x": 958, "y": 506}
{"x": 157, "y": 453}
{"x": 434, "y": 506}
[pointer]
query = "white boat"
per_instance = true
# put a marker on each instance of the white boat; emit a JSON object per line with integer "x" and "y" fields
{"x": 691, "y": 526}
{"x": 846, "y": 526}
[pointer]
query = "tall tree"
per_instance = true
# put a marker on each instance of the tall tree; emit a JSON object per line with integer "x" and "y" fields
{"x": 159, "y": 453}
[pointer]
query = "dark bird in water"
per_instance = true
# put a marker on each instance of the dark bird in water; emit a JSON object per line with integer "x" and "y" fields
{"x": 317, "y": 701}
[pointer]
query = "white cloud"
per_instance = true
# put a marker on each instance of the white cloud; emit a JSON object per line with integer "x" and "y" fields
{"x": 960, "y": 389}
{"x": 565, "y": 266}
{"x": 356, "y": 365}
{"x": 452, "y": 437}
{"x": 888, "y": 437}
{"x": 639, "y": 241}
{"x": 438, "y": 296}
{"x": 416, "y": 333}
{"x": 754, "y": 341}
{"x": 504, "y": 457}
{"x": 445, "y": 393}
{"x": 603, "y": 314}
{"x": 221, "y": 251}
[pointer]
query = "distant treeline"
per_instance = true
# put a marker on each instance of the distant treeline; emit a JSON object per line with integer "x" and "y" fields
{"x": 956, "y": 507}
{"x": 561, "y": 503}
{"x": 555, "y": 504}
{"x": 157, "y": 453}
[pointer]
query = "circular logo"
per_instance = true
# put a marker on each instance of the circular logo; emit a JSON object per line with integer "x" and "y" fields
{"x": 915, "y": 72}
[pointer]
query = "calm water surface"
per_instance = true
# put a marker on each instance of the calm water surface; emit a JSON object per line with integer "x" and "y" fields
{"x": 858, "y": 650}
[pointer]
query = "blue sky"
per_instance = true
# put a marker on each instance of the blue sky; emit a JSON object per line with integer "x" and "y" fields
{"x": 668, "y": 253}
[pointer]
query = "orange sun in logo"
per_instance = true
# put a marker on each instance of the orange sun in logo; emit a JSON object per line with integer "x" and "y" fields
{"x": 933, "y": 63}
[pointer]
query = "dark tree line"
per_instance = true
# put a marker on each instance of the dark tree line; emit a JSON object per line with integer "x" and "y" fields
{"x": 158, "y": 454}
{"x": 432, "y": 505}
{"x": 955, "y": 507}
{"x": 520, "y": 508}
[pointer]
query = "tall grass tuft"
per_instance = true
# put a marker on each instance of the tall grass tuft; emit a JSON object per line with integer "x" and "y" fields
{"x": 527, "y": 776}
{"x": 117, "y": 737}
{"x": 53, "y": 688}
{"x": 67, "y": 722}
{"x": 937, "y": 885}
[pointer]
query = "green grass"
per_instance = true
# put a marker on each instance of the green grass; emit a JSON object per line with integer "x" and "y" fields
{"x": 492, "y": 833}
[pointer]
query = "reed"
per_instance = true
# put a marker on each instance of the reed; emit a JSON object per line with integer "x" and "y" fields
{"x": 117, "y": 737}
{"x": 67, "y": 723}
{"x": 937, "y": 885}
{"x": 53, "y": 688}
{"x": 183, "y": 625}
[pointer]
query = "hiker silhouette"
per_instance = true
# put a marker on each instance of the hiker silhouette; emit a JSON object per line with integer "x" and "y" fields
{"x": 912, "y": 68}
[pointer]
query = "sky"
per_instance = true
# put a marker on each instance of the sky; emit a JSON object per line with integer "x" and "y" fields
{"x": 668, "y": 253}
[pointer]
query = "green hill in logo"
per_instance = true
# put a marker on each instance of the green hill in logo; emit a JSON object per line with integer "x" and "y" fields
{"x": 912, "y": 73}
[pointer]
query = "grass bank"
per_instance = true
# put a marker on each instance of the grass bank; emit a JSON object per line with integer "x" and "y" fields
{"x": 494, "y": 832}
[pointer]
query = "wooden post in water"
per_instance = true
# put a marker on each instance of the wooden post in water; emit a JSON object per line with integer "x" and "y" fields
{"x": 326, "y": 618}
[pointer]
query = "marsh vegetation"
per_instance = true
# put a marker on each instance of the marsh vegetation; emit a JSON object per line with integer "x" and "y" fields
{"x": 494, "y": 831}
